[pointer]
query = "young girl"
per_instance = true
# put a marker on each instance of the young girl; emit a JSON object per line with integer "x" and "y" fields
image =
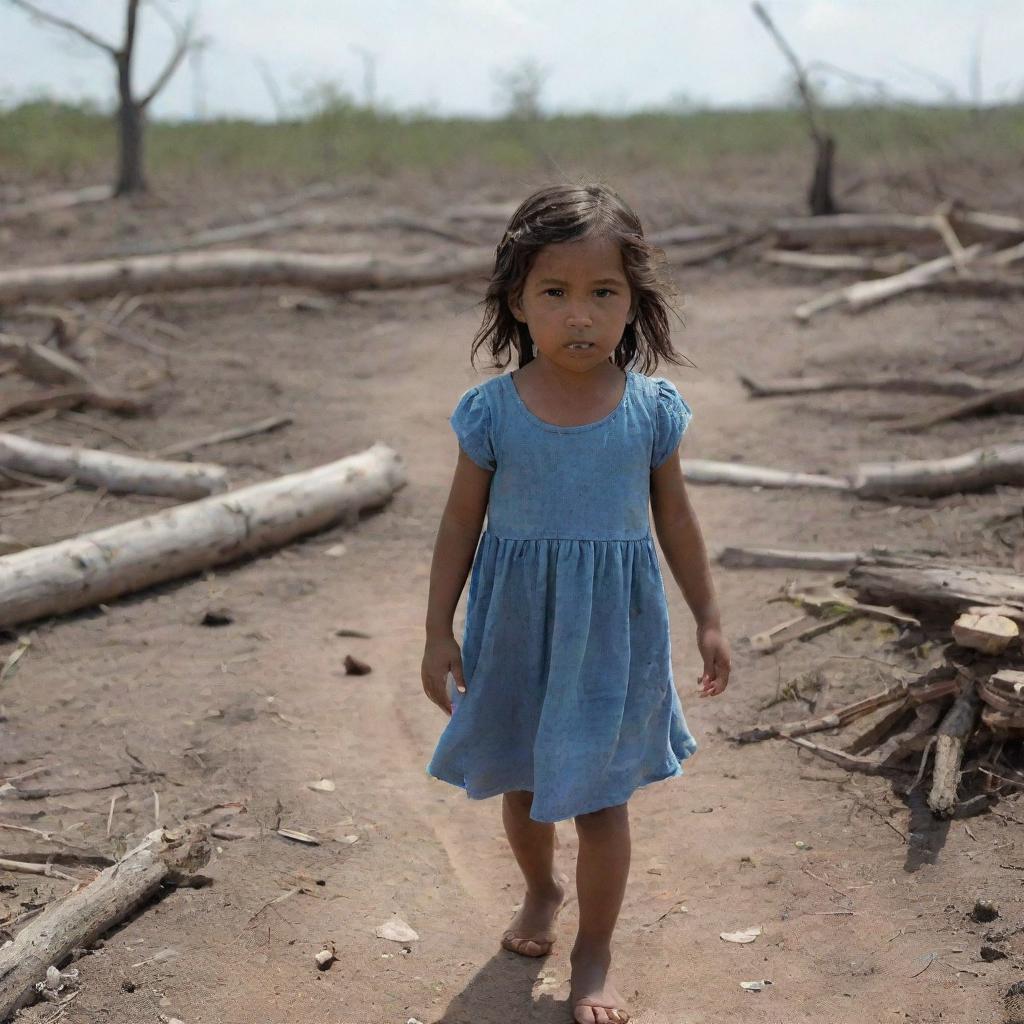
{"x": 564, "y": 700}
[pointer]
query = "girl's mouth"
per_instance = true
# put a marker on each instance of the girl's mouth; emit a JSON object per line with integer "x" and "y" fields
{"x": 580, "y": 345}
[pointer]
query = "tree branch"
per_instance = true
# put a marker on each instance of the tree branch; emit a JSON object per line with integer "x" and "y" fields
{"x": 183, "y": 43}
{"x": 802, "y": 83}
{"x": 70, "y": 26}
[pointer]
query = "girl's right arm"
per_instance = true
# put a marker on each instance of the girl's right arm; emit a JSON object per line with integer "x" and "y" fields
{"x": 454, "y": 548}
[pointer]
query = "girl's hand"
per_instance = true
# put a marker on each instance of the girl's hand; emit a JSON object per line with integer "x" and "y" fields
{"x": 440, "y": 657}
{"x": 717, "y": 661}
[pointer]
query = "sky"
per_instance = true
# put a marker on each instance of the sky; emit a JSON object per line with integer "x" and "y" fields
{"x": 449, "y": 56}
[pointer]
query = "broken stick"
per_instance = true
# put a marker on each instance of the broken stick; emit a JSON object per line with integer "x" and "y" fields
{"x": 954, "y": 731}
{"x": 83, "y": 916}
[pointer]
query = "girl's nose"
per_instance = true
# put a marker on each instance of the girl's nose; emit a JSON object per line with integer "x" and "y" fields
{"x": 578, "y": 320}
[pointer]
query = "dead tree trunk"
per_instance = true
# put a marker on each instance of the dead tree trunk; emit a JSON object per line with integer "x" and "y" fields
{"x": 131, "y": 112}
{"x": 820, "y": 197}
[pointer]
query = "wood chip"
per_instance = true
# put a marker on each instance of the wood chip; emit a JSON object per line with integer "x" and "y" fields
{"x": 299, "y": 837}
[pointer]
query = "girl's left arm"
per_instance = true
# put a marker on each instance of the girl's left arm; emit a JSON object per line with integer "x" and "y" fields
{"x": 680, "y": 537}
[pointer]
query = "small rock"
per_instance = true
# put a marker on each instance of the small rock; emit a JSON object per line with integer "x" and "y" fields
{"x": 396, "y": 930}
{"x": 984, "y": 911}
{"x": 355, "y": 667}
{"x": 323, "y": 786}
{"x": 216, "y": 617}
{"x": 325, "y": 957}
{"x": 990, "y": 953}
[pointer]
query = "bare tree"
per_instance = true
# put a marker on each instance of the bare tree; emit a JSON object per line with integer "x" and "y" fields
{"x": 819, "y": 196}
{"x": 131, "y": 109}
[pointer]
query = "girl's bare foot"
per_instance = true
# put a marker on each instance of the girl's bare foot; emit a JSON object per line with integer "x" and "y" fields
{"x": 531, "y": 932}
{"x": 594, "y": 999}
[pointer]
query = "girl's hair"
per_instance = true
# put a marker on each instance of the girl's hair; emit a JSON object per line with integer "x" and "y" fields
{"x": 567, "y": 213}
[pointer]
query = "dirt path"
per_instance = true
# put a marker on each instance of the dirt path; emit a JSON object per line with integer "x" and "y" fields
{"x": 256, "y": 710}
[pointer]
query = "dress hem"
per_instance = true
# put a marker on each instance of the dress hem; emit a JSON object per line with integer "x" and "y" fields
{"x": 593, "y": 805}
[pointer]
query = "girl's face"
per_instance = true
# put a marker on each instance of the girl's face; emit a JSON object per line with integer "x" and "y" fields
{"x": 576, "y": 301}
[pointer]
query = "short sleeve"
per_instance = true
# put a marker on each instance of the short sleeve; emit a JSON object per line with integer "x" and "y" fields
{"x": 671, "y": 420}
{"x": 471, "y": 421}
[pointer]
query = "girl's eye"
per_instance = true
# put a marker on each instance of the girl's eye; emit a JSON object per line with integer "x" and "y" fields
{"x": 607, "y": 291}
{"x": 548, "y": 291}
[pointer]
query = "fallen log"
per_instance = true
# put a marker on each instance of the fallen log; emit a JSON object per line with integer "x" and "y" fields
{"x": 935, "y": 584}
{"x": 839, "y": 263}
{"x": 57, "y": 578}
{"x": 1009, "y": 398}
{"x": 980, "y": 226}
{"x": 859, "y": 296}
{"x": 778, "y": 558}
{"x": 65, "y": 200}
{"x": 81, "y": 917}
{"x": 894, "y": 229}
{"x": 956, "y": 384}
{"x": 953, "y": 734}
{"x": 972, "y": 471}
{"x": 238, "y": 268}
{"x": 706, "y": 471}
{"x": 870, "y": 293}
{"x": 854, "y": 229}
{"x": 72, "y": 398}
{"x": 123, "y": 474}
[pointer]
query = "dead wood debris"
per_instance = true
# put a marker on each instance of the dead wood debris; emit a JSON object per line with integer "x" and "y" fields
{"x": 967, "y": 711}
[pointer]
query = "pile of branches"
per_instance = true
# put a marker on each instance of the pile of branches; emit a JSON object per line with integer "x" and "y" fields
{"x": 952, "y": 250}
{"x": 968, "y": 710}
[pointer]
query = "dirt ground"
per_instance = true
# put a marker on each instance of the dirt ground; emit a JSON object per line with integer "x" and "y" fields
{"x": 863, "y": 897}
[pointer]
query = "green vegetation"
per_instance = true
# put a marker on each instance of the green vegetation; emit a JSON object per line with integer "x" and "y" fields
{"x": 62, "y": 141}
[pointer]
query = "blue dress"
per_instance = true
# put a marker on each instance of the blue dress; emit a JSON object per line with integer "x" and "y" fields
{"x": 566, "y": 649}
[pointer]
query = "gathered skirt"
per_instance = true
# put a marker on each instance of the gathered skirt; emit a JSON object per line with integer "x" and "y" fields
{"x": 567, "y": 658}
